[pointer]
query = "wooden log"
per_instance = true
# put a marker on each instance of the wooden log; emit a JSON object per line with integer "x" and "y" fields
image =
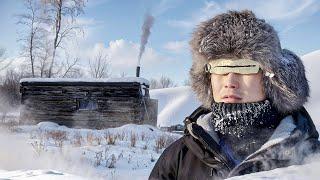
{"x": 117, "y": 103}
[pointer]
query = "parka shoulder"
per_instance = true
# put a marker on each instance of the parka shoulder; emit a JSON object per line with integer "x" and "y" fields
{"x": 168, "y": 163}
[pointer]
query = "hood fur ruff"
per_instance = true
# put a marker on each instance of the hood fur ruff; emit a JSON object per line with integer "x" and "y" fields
{"x": 237, "y": 35}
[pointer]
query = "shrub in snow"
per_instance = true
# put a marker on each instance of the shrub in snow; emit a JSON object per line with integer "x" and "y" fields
{"x": 133, "y": 139}
{"x": 120, "y": 156}
{"x": 57, "y": 136}
{"x": 163, "y": 142}
{"x": 110, "y": 138}
{"x": 111, "y": 161}
{"x": 90, "y": 138}
{"x": 143, "y": 136}
{"x": 77, "y": 139}
{"x": 145, "y": 146}
{"x": 98, "y": 140}
{"x": 98, "y": 158}
{"x": 38, "y": 147}
{"x": 160, "y": 143}
{"x": 106, "y": 149}
{"x": 129, "y": 158}
{"x": 121, "y": 136}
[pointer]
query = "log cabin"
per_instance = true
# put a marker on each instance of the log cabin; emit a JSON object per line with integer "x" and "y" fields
{"x": 87, "y": 103}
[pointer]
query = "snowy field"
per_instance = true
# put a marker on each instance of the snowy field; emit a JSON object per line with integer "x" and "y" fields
{"x": 50, "y": 151}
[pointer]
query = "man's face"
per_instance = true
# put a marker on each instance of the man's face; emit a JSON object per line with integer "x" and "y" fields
{"x": 237, "y": 88}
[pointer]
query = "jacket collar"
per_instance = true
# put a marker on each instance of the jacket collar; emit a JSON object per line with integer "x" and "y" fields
{"x": 297, "y": 121}
{"x": 292, "y": 129}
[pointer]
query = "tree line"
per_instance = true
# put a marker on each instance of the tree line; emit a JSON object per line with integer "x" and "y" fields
{"x": 45, "y": 27}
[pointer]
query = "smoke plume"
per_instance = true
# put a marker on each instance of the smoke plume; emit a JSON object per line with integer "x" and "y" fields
{"x": 147, "y": 24}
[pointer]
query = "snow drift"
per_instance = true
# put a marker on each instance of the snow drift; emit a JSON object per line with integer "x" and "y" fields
{"x": 312, "y": 63}
{"x": 174, "y": 104}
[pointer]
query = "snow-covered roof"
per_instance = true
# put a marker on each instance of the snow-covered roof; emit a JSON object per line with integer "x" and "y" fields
{"x": 102, "y": 80}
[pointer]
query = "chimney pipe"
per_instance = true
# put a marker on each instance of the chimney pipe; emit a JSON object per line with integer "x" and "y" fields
{"x": 138, "y": 71}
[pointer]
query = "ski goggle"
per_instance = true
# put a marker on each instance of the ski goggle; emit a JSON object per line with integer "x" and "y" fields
{"x": 240, "y": 66}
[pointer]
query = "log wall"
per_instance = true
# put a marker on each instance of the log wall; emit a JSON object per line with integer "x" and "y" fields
{"x": 110, "y": 104}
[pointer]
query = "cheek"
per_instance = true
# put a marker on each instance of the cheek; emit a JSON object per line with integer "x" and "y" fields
{"x": 216, "y": 87}
{"x": 214, "y": 84}
{"x": 255, "y": 89}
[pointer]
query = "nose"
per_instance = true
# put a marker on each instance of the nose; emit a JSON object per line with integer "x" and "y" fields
{"x": 231, "y": 81}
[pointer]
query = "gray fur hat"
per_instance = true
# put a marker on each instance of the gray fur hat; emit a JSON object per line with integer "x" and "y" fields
{"x": 242, "y": 35}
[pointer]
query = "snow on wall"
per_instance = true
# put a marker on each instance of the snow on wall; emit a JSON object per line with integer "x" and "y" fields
{"x": 125, "y": 79}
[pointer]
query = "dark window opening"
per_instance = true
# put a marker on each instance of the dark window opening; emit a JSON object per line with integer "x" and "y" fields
{"x": 87, "y": 104}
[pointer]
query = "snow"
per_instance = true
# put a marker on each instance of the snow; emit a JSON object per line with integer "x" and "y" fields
{"x": 312, "y": 62}
{"x": 174, "y": 104}
{"x": 37, "y": 175}
{"x": 50, "y": 151}
{"x": 124, "y": 79}
{"x": 308, "y": 171}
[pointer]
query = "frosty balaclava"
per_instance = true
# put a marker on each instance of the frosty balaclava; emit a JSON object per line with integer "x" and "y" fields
{"x": 244, "y": 127}
{"x": 240, "y": 118}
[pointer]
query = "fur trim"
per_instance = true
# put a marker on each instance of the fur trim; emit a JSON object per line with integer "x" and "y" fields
{"x": 241, "y": 35}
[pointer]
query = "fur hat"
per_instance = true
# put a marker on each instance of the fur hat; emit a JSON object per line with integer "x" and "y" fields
{"x": 237, "y": 35}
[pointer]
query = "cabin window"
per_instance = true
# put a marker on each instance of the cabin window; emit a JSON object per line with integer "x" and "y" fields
{"x": 87, "y": 104}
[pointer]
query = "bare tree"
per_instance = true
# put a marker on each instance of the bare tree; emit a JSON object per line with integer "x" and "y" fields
{"x": 9, "y": 89}
{"x": 99, "y": 66}
{"x": 60, "y": 11}
{"x": 154, "y": 84}
{"x": 166, "y": 82}
{"x": 3, "y": 63}
{"x": 44, "y": 56}
{"x": 163, "y": 82}
{"x": 31, "y": 41}
{"x": 70, "y": 67}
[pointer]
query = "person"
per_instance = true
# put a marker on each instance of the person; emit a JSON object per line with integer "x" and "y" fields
{"x": 252, "y": 92}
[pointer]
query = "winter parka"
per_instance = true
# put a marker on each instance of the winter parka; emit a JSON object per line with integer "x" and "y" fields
{"x": 198, "y": 156}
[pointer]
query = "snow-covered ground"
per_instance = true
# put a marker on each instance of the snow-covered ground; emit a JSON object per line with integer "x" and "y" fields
{"x": 37, "y": 175}
{"x": 49, "y": 151}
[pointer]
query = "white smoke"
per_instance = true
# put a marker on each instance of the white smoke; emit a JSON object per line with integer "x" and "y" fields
{"x": 147, "y": 24}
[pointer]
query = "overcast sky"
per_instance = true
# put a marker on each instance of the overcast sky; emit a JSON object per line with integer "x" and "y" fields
{"x": 115, "y": 27}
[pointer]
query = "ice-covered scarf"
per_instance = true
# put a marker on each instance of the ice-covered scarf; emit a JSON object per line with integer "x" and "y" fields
{"x": 244, "y": 127}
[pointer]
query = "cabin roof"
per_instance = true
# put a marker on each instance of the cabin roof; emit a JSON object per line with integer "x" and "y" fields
{"x": 84, "y": 81}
